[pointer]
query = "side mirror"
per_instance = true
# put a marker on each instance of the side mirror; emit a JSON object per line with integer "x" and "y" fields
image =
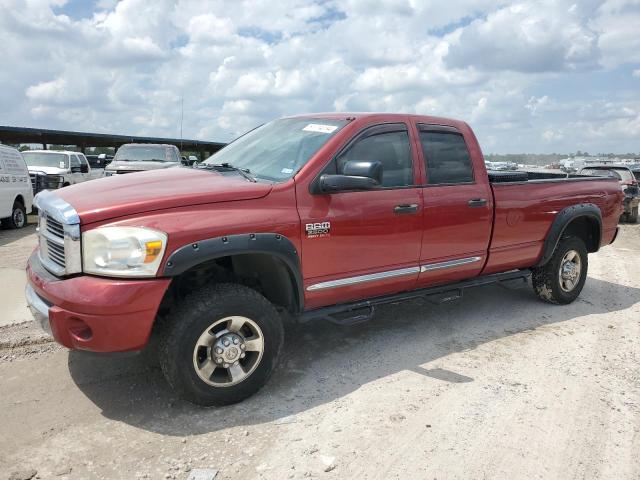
{"x": 364, "y": 169}
{"x": 76, "y": 169}
{"x": 84, "y": 168}
{"x": 356, "y": 176}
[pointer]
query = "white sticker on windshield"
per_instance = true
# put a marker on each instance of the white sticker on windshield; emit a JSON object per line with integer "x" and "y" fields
{"x": 62, "y": 165}
{"x": 286, "y": 170}
{"x": 316, "y": 127}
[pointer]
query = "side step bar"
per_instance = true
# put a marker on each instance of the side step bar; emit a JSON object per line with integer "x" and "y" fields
{"x": 363, "y": 310}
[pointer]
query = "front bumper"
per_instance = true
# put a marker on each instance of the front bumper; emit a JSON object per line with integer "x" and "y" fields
{"x": 93, "y": 313}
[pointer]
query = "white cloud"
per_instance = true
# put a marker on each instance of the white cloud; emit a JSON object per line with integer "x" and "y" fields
{"x": 527, "y": 37}
{"x": 519, "y": 72}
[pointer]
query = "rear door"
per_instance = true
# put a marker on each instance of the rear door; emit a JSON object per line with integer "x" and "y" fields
{"x": 458, "y": 207}
{"x": 363, "y": 243}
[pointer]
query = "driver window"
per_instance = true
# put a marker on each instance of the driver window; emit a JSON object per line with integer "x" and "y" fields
{"x": 391, "y": 149}
{"x": 75, "y": 162}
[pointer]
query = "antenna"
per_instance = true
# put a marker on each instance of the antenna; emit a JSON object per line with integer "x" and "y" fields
{"x": 181, "y": 117}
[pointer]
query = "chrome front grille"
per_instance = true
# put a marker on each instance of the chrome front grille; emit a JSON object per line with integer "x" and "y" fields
{"x": 58, "y": 235}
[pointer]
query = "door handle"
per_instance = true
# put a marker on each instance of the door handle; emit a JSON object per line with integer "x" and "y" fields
{"x": 405, "y": 208}
{"x": 477, "y": 202}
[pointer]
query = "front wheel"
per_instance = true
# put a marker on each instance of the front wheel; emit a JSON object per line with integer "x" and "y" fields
{"x": 221, "y": 344}
{"x": 560, "y": 281}
{"x": 18, "y": 218}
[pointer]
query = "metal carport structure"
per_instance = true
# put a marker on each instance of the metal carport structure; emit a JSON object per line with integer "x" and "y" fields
{"x": 83, "y": 140}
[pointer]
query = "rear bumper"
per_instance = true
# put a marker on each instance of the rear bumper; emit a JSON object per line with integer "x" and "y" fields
{"x": 92, "y": 313}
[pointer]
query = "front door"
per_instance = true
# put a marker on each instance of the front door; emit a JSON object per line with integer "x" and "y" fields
{"x": 458, "y": 209}
{"x": 364, "y": 243}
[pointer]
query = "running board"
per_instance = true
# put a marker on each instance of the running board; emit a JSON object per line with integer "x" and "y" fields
{"x": 363, "y": 310}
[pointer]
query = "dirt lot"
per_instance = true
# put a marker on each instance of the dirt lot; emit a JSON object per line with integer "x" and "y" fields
{"x": 495, "y": 385}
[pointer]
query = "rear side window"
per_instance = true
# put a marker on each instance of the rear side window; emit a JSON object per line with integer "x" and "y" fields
{"x": 391, "y": 149}
{"x": 446, "y": 157}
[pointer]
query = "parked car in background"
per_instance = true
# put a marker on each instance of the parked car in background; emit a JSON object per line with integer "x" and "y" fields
{"x": 628, "y": 184}
{"x": 140, "y": 157}
{"x": 16, "y": 195}
{"x": 99, "y": 161}
{"x": 52, "y": 169}
{"x": 635, "y": 169}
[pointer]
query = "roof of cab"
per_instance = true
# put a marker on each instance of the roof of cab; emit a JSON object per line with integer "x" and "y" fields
{"x": 361, "y": 115}
{"x": 67, "y": 152}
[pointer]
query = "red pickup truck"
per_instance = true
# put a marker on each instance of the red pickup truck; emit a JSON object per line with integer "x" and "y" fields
{"x": 314, "y": 217}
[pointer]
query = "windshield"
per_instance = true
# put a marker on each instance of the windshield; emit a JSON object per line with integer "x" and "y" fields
{"x": 131, "y": 153}
{"x": 42, "y": 159}
{"x": 277, "y": 150}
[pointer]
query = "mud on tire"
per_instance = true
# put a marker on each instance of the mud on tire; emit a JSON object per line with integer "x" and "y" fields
{"x": 205, "y": 316}
{"x": 548, "y": 280}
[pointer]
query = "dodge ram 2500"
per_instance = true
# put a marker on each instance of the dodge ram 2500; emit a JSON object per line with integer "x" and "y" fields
{"x": 314, "y": 217}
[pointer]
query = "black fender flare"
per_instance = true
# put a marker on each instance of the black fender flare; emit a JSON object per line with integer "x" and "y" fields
{"x": 274, "y": 244}
{"x": 562, "y": 221}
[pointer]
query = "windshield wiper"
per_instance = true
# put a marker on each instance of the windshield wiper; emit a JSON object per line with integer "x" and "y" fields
{"x": 245, "y": 172}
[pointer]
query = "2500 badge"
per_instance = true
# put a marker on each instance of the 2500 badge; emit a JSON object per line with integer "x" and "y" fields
{"x": 316, "y": 230}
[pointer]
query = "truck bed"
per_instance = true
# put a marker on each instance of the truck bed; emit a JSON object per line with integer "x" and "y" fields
{"x": 525, "y": 207}
{"x": 518, "y": 176}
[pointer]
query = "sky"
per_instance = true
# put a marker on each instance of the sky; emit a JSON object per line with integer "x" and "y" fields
{"x": 534, "y": 76}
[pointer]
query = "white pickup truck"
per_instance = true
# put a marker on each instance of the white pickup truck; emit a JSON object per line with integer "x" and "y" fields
{"x": 52, "y": 169}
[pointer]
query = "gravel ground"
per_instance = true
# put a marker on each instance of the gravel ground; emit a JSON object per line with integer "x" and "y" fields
{"x": 494, "y": 385}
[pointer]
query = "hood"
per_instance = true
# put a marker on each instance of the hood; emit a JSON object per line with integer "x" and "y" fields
{"x": 125, "y": 165}
{"x": 48, "y": 170}
{"x": 121, "y": 195}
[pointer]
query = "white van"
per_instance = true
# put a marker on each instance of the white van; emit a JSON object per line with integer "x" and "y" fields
{"x": 16, "y": 194}
{"x": 52, "y": 169}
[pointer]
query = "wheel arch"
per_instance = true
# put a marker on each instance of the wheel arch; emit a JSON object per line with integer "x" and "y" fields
{"x": 267, "y": 261}
{"x": 583, "y": 221}
{"x": 20, "y": 198}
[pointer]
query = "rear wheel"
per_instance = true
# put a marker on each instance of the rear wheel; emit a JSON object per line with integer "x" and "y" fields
{"x": 561, "y": 280}
{"x": 221, "y": 345}
{"x": 18, "y": 218}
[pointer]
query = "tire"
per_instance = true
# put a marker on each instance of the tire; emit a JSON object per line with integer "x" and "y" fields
{"x": 18, "y": 218}
{"x": 550, "y": 284}
{"x": 632, "y": 216}
{"x": 208, "y": 321}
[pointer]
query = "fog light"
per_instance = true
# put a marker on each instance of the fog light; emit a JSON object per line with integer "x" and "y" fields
{"x": 79, "y": 330}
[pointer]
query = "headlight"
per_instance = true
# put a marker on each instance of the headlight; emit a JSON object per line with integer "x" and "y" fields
{"x": 123, "y": 251}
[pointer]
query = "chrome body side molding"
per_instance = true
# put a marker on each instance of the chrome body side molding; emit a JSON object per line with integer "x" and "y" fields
{"x": 449, "y": 264}
{"x": 341, "y": 282}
